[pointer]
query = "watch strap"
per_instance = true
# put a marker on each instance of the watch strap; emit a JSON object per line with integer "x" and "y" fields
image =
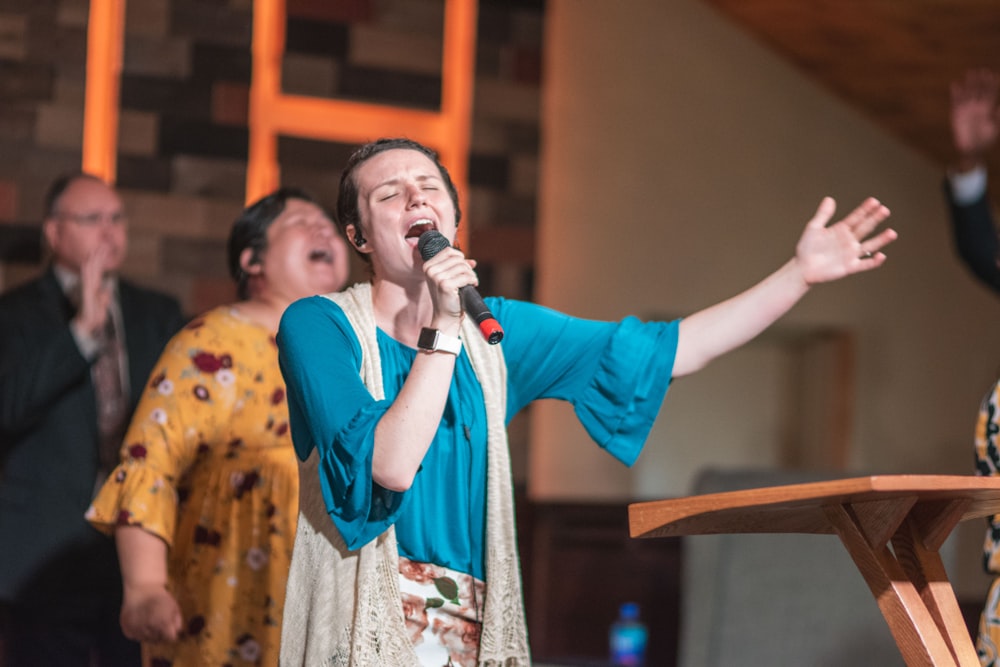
{"x": 433, "y": 340}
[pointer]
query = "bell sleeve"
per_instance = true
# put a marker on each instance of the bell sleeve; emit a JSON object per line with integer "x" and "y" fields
{"x": 615, "y": 374}
{"x": 185, "y": 402}
{"x": 332, "y": 411}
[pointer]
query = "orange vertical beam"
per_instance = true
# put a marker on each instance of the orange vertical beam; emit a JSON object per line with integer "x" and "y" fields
{"x": 457, "y": 89}
{"x": 105, "y": 36}
{"x": 267, "y": 49}
{"x": 458, "y": 78}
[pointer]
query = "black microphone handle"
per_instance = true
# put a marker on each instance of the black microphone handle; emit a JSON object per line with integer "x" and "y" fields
{"x": 475, "y": 308}
{"x": 473, "y": 304}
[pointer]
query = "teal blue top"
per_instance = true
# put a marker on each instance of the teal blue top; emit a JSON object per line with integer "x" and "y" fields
{"x": 615, "y": 374}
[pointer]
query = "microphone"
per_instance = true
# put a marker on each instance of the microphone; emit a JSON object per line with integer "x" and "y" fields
{"x": 431, "y": 243}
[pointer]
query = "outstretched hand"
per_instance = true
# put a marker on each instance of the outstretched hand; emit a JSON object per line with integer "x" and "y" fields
{"x": 974, "y": 115}
{"x": 827, "y": 252}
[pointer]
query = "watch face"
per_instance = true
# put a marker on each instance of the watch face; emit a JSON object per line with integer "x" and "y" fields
{"x": 427, "y": 339}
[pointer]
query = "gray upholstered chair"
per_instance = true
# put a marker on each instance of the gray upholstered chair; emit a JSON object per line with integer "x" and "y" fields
{"x": 776, "y": 600}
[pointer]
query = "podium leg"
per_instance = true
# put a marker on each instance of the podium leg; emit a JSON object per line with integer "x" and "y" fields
{"x": 911, "y": 588}
{"x": 923, "y": 567}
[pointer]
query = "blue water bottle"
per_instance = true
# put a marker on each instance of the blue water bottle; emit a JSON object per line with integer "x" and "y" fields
{"x": 628, "y": 638}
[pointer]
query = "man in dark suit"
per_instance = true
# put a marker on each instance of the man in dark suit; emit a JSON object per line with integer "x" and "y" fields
{"x": 975, "y": 120}
{"x": 76, "y": 348}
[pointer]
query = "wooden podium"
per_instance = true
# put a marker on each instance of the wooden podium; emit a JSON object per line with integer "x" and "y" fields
{"x": 892, "y": 526}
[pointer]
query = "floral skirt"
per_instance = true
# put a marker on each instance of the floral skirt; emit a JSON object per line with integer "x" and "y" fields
{"x": 443, "y": 612}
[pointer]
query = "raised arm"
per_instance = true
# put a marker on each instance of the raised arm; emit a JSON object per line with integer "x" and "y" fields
{"x": 408, "y": 427}
{"x": 974, "y": 128}
{"x": 824, "y": 253}
{"x": 42, "y": 358}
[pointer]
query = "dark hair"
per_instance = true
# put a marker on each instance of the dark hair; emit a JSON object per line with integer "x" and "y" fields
{"x": 250, "y": 231}
{"x": 59, "y": 187}
{"x": 347, "y": 197}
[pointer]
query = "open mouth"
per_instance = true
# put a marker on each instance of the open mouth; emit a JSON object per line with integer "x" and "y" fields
{"x": 321, "y": 255}
{"x": 418, "y": 228}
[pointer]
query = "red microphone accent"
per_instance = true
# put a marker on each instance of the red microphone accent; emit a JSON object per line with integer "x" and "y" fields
{"x": 492, "y": 331}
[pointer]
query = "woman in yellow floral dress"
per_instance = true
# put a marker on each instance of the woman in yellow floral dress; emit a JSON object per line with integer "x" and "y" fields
{"x": 204, "y": 500}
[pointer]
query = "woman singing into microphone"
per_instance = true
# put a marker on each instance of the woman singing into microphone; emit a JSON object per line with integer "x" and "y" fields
{"x": 405, "y": 552}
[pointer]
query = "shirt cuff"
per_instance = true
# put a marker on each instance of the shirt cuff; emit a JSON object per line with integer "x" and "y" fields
{"x": 968, "y": 187}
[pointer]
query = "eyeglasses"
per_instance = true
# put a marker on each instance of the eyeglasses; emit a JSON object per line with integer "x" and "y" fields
{"x": 93, "y": 219}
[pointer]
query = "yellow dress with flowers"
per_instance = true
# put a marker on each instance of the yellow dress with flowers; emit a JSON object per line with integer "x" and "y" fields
{"x": 207, "y": 464}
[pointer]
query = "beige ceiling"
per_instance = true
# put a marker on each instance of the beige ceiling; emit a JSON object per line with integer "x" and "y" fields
{"x": 893, "y": 59}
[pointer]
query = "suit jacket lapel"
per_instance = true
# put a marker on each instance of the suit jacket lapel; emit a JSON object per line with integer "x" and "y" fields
{"x": 52, "y": 295}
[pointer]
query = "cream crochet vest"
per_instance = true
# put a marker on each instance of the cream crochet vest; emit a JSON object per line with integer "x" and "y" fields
{"x": 343, "y": 608}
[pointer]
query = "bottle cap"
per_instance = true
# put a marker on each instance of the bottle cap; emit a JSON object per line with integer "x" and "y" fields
{"x": 629, "y": 611}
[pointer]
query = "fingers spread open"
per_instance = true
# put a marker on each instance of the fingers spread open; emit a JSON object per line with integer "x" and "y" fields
{"x": 865, "y": 218}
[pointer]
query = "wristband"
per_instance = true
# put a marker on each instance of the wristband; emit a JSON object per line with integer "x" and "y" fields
{"x": 432, "y": 340}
